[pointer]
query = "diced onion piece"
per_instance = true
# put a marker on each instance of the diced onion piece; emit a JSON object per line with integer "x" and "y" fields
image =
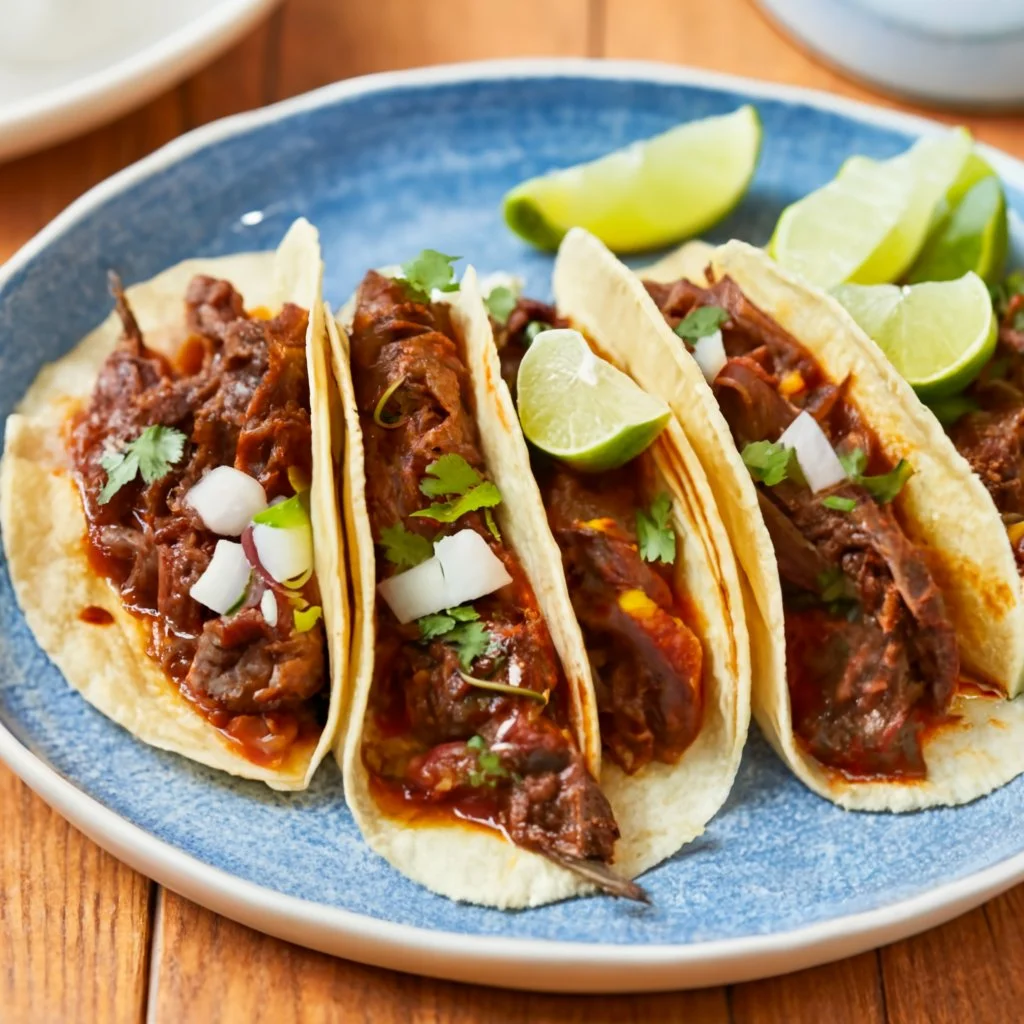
{"x": 268, "y": 607}
{"x": 226, "y": 499}
{"x": 463, "y": 568}
{"x": 416, "y": 592}
{"x": 285, "y": 554}
{"x": 223, "y": 584}
{"x": 820, "y": 464}
{"x": 471, "y": 569}
{"x": 709, "y": 352}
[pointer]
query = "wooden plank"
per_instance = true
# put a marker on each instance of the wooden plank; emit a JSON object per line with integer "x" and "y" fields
{"x": 323, "y": 41}
{"x": 733, "y": 36}
{"x": 949, "y": 975}
{"x": 848, "y": 992}
{"x": 1005, "y": 916}
{"x": 263, "y": 981}
{"x": 74, "y": 922}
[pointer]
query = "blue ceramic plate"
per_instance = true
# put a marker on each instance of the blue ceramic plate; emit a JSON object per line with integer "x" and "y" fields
{"x": 386, "y": 166}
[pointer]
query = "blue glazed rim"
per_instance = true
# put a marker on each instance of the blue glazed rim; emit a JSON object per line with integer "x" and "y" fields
{"x": 526, "y": 963}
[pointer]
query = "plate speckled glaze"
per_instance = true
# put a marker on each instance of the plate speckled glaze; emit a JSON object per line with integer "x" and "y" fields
{"x": 385, "y": 166}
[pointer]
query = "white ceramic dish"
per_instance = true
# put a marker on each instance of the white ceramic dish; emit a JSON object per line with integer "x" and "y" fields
{"x": 69, "y": 65}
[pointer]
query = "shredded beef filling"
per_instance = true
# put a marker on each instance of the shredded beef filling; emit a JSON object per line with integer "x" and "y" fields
{"x": 239, "y": 393}
{"x": 872, "y": 659}
{"x": 991, "y": 438}
{"x": 424, "y": 716}
{"x": 646, "y": 661}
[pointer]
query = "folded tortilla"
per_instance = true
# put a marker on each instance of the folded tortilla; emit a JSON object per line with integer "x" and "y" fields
{"x": 660, "y": 808}
{"x": 44, "y": 524}
{"x": 944, "y": 508}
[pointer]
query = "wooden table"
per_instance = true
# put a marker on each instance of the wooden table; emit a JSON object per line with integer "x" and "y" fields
{"x": 85, "y": 938}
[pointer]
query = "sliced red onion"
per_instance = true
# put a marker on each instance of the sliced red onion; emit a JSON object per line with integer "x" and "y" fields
{"x": 268, "y": 607}
{"x": 222, "y": 586}
{"x": 285, "y": 554}
{"x": 709, "y": 352}
{"x": 416, "y": 592}
{"x": 819, "y": 462}
{"x": 226, "y": 499}
{"x": 470, "y": 568}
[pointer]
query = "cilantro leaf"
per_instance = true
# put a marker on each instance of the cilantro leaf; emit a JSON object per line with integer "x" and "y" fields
{"x": 838, "y": 503}
{"x": 485, "y": 495}
{"x": 430, "y": 270}
{"x": 884, "y": 487}
{"x": 461, "y": 628}
{"x": 450, "y": 474}
{"x": 500, "y": 302}
{"x": 403, "y": 548}
{"x": 150, "y": 455}
{"x": 470, "y": 639}
{"x": 837, "y": 592}
{"x": 489, "y": 768}
{"x": 770, "y": 463}
{"x": 532, "y": 329}
{"x": 434, "y": 626}
{"x": 701, "y": 322}
{"x": 655, "y": 536}
{"x": 853, "y": 462}
{"x": 492, "y": 526}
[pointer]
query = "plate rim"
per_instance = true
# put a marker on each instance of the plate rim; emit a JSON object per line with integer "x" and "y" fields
{"x": 535, "y": 964}
{"x": 54, "y": 114}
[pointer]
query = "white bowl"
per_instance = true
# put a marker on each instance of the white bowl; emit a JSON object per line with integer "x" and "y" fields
{"x": 950, "y": 52}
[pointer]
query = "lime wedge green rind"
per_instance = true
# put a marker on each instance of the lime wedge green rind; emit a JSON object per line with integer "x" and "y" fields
{"x": 580, "y": 409}
{"x": 938, "y": 334}
{"x": 649, "y": 194}
{"x": 868, "y": 224}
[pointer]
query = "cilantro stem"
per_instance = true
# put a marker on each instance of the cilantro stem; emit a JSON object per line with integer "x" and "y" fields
{"x": 378, "y": 412}
{"x": 512, "y": 691}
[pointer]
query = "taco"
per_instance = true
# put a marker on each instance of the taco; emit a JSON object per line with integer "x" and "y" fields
{"x": 655, "y": 588}
{"x": 851, "y": 515}
{"x": 170, "y": 517}
{"x": 473, "y": 714}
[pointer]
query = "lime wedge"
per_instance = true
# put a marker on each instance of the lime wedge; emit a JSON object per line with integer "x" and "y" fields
{"x": 871, "y": 220}
{"x": 581, "y": 409}
{"x": 973, "y": 236}
{"x": 938, "y": 334}
{"x": 649, "y": 194}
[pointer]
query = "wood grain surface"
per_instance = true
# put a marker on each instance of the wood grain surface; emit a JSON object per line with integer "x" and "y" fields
{"x": 84, "y": 938}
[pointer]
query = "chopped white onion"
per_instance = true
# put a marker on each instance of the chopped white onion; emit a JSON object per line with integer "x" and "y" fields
{"x": 709, "y": 352}
{"x": 416, "y": 592}
{"x": 223, "y": 584}
{"x": 285, "y": 554}
{"x": 819, "y": 462}
{"x": 268, "y": 607}
{"x": 471, "y": 569}
{"x": 463, "y": 568}
{"x": 226, "y": 499}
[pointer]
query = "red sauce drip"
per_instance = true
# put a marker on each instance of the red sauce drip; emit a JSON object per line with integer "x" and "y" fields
{"x": 95, "y": 615}
{"x": 414, "y": 809}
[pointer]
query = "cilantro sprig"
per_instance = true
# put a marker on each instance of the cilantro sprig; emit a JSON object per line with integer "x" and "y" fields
{"x": 489, "y": 769}
{"x": 701, "y": 322}
{"x": 500, "y": 302}
{"x": 770, "y": 463}
{"x": 883, "y": 487}
{"x": 460, "y": 627}
{"x": 452, "y": 477}
{"x": 837, "y": 592}
{"x": 430, "y": 270}
{"x": 403, "y": 548}
{"x": 150, "y": 456}
{"x": 838, "y": 503}
{"x": 655, "y": 536}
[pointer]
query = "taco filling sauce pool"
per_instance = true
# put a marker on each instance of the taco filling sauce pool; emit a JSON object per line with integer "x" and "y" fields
{"x": 468, "y": 712}
{"x": 872, "y": 658}
{"x": 194, "y": 563}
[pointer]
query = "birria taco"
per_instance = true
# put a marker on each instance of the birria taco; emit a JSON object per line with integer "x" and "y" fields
{"x": 856, "y": 524}
{"x": 472, "y": 759}
{"x": 170, "y": 517}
